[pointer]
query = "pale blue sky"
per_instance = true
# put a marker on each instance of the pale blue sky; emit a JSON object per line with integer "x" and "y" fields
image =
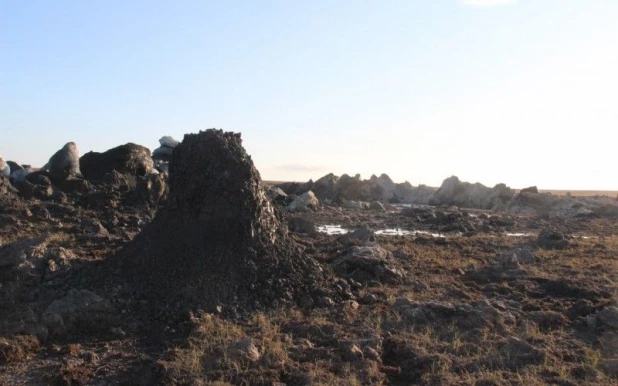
{"x": 522, "y": 92}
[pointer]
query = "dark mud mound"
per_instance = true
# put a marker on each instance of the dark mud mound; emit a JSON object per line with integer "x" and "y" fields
{"x": 218, "y": 240}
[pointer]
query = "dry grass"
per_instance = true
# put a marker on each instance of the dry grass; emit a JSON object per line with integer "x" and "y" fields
{"x": 17, "y": 349}
{"x": 545, "y": 342}
{"x": 314, "y": 347}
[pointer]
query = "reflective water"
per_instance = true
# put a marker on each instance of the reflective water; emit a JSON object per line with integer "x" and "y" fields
{"x": 332, "y": 229}
{"x": 339, "y": 230}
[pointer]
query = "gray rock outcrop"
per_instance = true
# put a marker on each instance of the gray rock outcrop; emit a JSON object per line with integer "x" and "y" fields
{"x": 467, "y": 195}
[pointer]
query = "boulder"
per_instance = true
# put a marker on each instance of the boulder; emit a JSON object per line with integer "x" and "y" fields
{"x": 129, "y": 159}
{"x": 277, "y": 195}
{"x": 14, "y": 166}
{"x": 362, "y": 235}
{"x": 406, "y": 193}
{"x": 303, "y": 203}
{"x": 36, "y": 184}
{"x": 377, "y": 205}
{"x": 163, "y": 154}
{"x": 533, "y": 203}
{"x": 325, "y": 188}
{"x": 467, "y": 195}
{"x": 531, "y": 189}
{"x": 5, "y": 169}
{"x": 351, "y": 204}
{"x": 302, "y": 225}
{"x": 64, "y": 164}
{"x": 19, "y": 175}
{"x": 498, "y": 198}
{"x": 351, "y": 188}
{"x": 367, "y": 263}
{"x": 387, "y": 186}
{"x": 168, "y": 141}
{"x": 296, "y": 188}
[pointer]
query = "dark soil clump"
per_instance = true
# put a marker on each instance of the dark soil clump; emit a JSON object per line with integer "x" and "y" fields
{"x": 218, "y": 240}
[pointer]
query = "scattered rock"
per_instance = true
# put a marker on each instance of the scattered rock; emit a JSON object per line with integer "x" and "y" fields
{"x": 366, "y": 263}
{"x": 151, "y": 189}
{"x": 607, "y": 317}
{"x": 352, "y": 352}
{"x": 467, "y": 195}
{"x": 377, "y": 205}
{"x": 532, "y": 189}
{"x": 548, "y": 319}
{"x": 303, "y": 203}
{"x": 168, "y": 141}
{"x": 64, "y": 164}
{"x": 277, "y": 195}
{"x": 548, "y": 239}
{"x": 519, "y": 255}
{"x": 350, "y": 188}
{"x": 245, "y": 350}
{"x": 362, "y": 235}
{"x": 166, "y": 150}
{"x": 479, "y": 314}
{"x": 302, "y": 225}
{"x": 129, "y": 159}
{"x": 79, "y": 308}
{"x": 325, "y": 301}
{"x": 372, "y": 354}
{"x": 369, "y": 299}
{"x": 325, "y": 188}
{"x": 351, "y": 204}
{"x": 25, "y": 258}
{"x": 522, "y": 353}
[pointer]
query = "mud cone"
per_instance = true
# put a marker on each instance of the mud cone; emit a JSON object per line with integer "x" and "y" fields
{"x": 218, "y": 240}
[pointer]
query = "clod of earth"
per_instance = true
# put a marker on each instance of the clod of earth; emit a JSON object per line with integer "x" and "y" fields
{"x": 219, "y": 239}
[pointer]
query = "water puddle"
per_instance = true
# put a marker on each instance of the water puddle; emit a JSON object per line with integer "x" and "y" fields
{"x": 339, "y": 230}
{"x": 393, "y": 232}
{"x": 332, "y": 229}
{"x": 534, "y": 235}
